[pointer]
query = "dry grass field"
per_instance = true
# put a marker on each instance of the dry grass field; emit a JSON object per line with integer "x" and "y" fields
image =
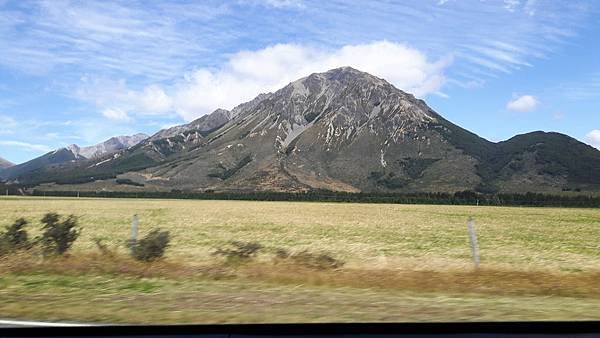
{"x": 403, "y": 263}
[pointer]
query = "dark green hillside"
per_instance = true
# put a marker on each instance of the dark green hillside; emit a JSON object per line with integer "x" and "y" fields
{"x": 59, "y": 156}
{"x": 558, "y": 154}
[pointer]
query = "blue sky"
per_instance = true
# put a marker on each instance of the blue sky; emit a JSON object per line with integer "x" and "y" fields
{"x": 83, "y": 71}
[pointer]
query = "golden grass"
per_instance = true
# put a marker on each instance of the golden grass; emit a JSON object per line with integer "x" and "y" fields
{"x": 375, "y": 236}
{"x": 404, "y": 262}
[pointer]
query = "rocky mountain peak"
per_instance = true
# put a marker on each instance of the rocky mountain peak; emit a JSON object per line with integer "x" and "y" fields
{"x": 202, "y": 125}
{"x": 342, "y": 104}
{"x": 111, "y": 145}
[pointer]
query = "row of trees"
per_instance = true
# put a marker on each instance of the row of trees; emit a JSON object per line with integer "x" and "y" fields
{"x": 458, "y": 198}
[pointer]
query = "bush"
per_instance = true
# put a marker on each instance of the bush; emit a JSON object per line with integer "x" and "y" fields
{"x": 104, "y": 249}
{"x": 151, "y": 247}
{"x": 58, "y": 237}
{"x": 239, "y": 252}
{"x": 319, "y": 261}
{"x": 14, "y": 238}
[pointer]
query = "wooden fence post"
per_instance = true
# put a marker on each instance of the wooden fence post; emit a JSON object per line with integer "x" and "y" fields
{"x": 473, "y": 237}
{"x": 134, "y": 232}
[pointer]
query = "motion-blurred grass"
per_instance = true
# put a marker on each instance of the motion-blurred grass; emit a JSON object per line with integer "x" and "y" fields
{"x": 404, "y": 263}
{"x": 365, "y": 235}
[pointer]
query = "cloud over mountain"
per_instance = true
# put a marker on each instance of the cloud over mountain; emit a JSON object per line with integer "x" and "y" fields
{"x": 593, "y": 138}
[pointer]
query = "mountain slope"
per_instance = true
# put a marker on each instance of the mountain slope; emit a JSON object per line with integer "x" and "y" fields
{"x": 70, "y": 154}
{"x": 107, "y": 147}
{"x": 5, "y": 164}
{"x": 204, "y": 125}
{"x": 340, "y": 130}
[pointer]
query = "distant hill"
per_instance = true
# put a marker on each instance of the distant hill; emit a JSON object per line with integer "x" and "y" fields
{"x": 342, "y": 130}
{"x": 71, "y": 153}
{"x": 5, "y": 164}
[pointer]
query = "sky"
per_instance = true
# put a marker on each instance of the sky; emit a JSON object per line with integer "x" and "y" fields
{"x": 84, "y": 71}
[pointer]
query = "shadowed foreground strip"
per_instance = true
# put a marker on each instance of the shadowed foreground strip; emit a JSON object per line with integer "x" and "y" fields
{"x": 119, "y": 290}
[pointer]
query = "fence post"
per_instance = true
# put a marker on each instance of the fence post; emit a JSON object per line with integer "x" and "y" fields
{"x": 134, "y": 232}
{"x": 473, "y": 237}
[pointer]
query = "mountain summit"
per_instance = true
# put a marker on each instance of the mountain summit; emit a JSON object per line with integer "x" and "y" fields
{"x": 342, "y": 130}
{"x": 107, "y": 147}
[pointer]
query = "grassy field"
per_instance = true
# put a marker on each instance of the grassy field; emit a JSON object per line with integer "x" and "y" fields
{"x": 403, "y": 263}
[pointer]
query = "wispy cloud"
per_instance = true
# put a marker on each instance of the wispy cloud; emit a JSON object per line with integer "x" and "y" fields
{"x": 155, "y": 40}
{"x": 26, "y": 146}
{"x": 277, "y": 3}
{"x": 7, "y": 125}
{"x": 508, "y": 36}
{"x": 159, "y": 41}
{"x": 585, "y": 89}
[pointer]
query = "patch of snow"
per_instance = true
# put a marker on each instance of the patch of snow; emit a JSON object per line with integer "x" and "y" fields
{"x": 100, "y": 163}
{"x": 383, "y": 162}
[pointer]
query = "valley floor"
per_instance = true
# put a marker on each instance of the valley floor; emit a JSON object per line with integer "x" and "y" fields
{"x": 402, "y": 263}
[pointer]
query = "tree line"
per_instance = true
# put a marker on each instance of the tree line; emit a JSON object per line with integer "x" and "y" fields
{"x": 458, "y": 198}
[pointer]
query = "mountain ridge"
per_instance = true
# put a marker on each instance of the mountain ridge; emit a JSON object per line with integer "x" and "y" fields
{"x": 5, "y": 164}
{"x": 73, "y": 153}
{"x": 341, "y": 130}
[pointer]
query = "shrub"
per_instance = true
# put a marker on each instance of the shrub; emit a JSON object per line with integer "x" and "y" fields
{"x": 58, "y": 236}
{"x": 282, "y": 253}
{"x": 151, "y": 247}
{"x": 239, "y": 252}
{"x": 15, "y": 237}
{"x": 104, "y": 249}
{"x": 319, "y": 261}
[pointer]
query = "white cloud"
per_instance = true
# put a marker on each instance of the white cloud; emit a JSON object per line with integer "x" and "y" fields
{"x": 248, "y": 73}
{"x": 525, "y": 103}
{"x": 283, "y": 3}
{"x": 593, "y": 138}
{"x": 116, "y": 95}
{"x": 154, "y": 100}
{"x": 116, "y": 115}
{"x": 511, "y": 5}
{"x": 26, "y": 146}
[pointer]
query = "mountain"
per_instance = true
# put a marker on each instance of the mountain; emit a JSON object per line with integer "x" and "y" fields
{"x": 5, "y": 164}
{"x": 70, "y": 154}
{"x": 342, "y": 130}
{"x": 204, "y": 125}
{"x": 107, "y": 147}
